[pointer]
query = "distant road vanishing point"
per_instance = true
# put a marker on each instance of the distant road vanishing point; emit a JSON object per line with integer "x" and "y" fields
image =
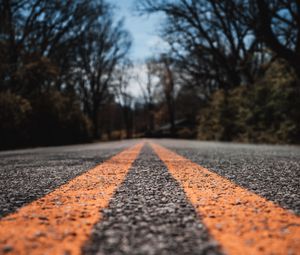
{"x": 151, "y": 197}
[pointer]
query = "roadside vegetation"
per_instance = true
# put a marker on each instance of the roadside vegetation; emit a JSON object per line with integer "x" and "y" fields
{"x": 56, "y": 70}
{"x": 234, "y": 67}
{"x": 231, "y": 72}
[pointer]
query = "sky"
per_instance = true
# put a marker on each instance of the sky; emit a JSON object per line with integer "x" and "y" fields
{"x": 143, "y": 29}
{"x": 146, "y": 40}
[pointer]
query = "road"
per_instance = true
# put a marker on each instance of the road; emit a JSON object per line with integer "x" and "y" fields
{"x": 151, "y": 197}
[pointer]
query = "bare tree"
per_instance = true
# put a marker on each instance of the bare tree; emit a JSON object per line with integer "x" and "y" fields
{"x": 215, "y": 45}
{"x": 34, "y": 36}
{"x": 209, "y": 40}
{"x": 104, "y": 44}
{"x": 122, "y": 79}
{"x": 167, "y": 80}
{"x": 277, "y": 24}
{"x": 161, "y": 68}
{"x": 148, "y": 86}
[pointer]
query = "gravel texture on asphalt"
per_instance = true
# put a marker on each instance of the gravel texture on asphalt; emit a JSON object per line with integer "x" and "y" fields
{"x": 270, "y": 171}
{"x": 150, "y": 214}
{"x": 26, "y": 175}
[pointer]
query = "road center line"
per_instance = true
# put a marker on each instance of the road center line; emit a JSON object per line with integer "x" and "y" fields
{"x": 241, "y": 221}
{"x": 61, "y": 222}
{"x": 150, "y": 214}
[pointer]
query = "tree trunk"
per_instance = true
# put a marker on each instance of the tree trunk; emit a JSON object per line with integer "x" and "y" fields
{"x": 95, "y": 120}
{"x": 171, "y": 111}
{"x": 296, "y": 67}
{"x": 127, "y": 121}
{"x": 150, "y": 125}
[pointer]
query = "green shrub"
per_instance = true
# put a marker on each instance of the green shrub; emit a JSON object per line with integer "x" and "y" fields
{"x": 266, "y": 112}
{"x": 274, "y": 107}
{"x": 219, "y": 119}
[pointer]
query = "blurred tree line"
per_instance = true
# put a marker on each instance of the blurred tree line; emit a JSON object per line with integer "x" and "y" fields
{"x": 232, "y": 72}
{"x": 57, "y": 70}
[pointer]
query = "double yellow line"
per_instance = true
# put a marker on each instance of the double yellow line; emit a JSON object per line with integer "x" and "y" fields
{"x": 61, "y": 222}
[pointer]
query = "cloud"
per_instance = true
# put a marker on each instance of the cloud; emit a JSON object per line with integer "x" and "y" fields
{"x": 157, "y": 44}
{"x": 138, "y": 71}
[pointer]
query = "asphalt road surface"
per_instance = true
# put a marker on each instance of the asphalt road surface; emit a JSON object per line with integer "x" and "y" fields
{"x": 151, "y": 197}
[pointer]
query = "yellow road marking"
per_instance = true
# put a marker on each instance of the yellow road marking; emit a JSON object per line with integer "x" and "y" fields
{"x": 61, "y": 222}
{"x": 241, "y": 221}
